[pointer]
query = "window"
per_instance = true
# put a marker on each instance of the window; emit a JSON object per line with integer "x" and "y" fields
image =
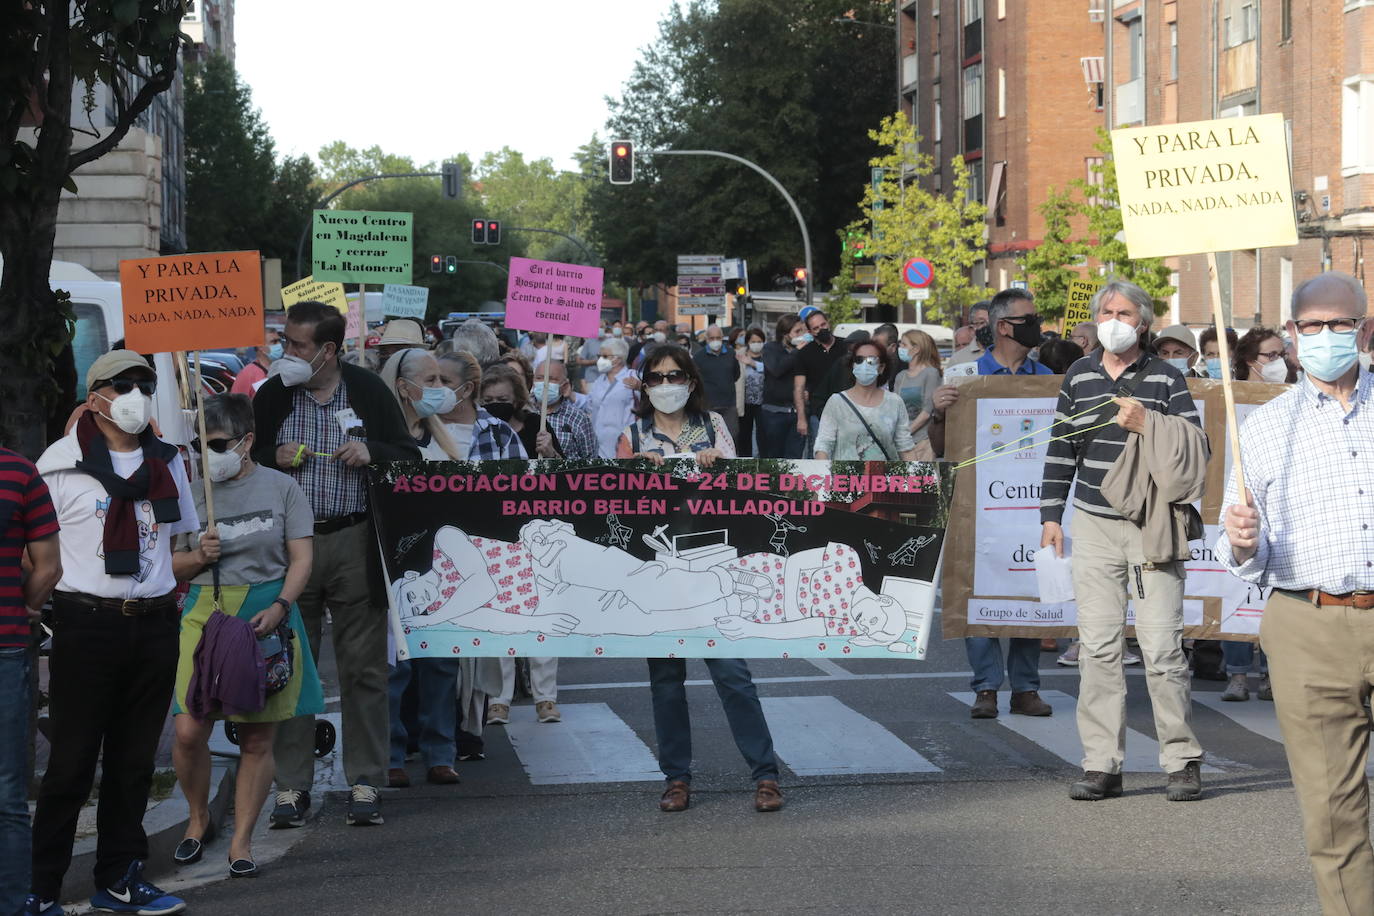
{"x": 1357, "y": 126}
{"x": 973, "y": 10}
{"x": 939, "y": 121}
{"x": 975, "y": 181}
{"x": 1173, "y": 50}
{"x": 1240, "y": 23}
{"x": 973, "y": 27}
{"x": 1285, "y": 20}
{"x": 1135, "y": 43}
{"x": 1001, "y": 92}
{"x": 973, "y": 108}
{"x": 1001, "y": 9}
{"x": 1092, "y": 169}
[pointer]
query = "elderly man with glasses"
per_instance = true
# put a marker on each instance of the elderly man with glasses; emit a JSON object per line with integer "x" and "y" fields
{"x": 1303, "y": 529}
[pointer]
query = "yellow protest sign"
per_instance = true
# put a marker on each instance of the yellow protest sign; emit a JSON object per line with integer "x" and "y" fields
{"x": 1080, "y": 294}
{"x": 1205, "y": 186}
{"x": 309, "y": 290}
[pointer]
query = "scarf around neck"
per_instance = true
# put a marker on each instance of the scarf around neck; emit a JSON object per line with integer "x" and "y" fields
{"x": 152, "y": 481}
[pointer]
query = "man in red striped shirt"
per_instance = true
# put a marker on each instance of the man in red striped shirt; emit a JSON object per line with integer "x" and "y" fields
{"x": 27, "y": 523}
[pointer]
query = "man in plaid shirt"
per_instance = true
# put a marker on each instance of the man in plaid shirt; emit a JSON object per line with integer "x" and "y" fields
{"x": 569, "y": 433}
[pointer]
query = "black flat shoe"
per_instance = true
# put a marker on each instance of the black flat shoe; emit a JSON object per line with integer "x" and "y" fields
{"x": 243, "y": 868}
{"x": 188, "y": 851}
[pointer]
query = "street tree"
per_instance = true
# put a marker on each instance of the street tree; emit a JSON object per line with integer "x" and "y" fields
{"x": 1106, "y": 243}
{"x": 947, "y": 229}
{"x": 1059, "y": 259}
{"x": 238, "y": 195}
{"x": 47, "y": 48}
{"x": 533, "y": 193}
{"x": 841, "y": 305}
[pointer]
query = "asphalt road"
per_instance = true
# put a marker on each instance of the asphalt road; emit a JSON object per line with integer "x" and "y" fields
{"x": 970, "y": 816}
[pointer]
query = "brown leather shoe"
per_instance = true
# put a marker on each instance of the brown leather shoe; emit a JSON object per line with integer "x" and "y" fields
{"x": 1028, "y": 703}
{"x": 442, "y": 776}
{"x": 676, "y": 797}
{"x": 767, "y": 796}
{"x": 984, "y": 705}
{"x": 397, "y": 778}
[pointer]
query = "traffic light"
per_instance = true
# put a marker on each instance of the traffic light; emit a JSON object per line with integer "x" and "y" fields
{"x": 622, "y": 162}
{"x": 479, "y": 232}
{"x": 857, "y": 242}
{"x": 493, "y": 232}
{"x": 451, "y": 264}
{"x": 451, "y": 181}
{"x": 436, "y": 264}
{"x": 799, "y": 283}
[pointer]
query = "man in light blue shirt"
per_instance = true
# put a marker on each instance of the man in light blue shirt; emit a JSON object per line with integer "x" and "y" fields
{"x": 1306, "y": 530}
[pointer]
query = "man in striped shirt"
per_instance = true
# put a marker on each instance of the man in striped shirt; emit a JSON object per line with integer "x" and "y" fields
{"x": 1306, "y": 530}
{"x": 1109, "y": 568}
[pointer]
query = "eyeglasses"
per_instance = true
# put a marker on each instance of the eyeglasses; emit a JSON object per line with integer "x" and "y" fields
{"x": 672, "y": 377}
{"x": 864, "y": 361}
{"x": 1270, "y": 356}
{"x": 145, "y": 386}
{"x": 1309, "y": 326}
{"x": 216, "y": 445}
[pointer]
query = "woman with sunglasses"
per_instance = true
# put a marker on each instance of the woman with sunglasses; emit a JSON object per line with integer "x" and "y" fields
{"x": 673, "y": 419}
{"x": 1261, "y": 356}
{"x": 866, "y": 422}
{"x": 260, "y": 554}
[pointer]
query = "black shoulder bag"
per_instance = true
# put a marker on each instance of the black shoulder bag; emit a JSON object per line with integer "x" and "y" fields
{"x": 876, "y": 441}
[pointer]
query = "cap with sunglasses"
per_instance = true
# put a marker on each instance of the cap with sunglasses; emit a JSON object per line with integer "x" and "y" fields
{"x": 112, "y": 364}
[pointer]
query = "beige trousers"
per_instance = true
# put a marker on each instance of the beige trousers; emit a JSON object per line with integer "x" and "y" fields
{"x": 1321, "y": 664}
{"x": 339, "y": 580}
{"x": 1109, "y": 570}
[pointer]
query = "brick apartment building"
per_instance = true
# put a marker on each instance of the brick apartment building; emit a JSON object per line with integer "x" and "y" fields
{"x": 1019, "y": 86}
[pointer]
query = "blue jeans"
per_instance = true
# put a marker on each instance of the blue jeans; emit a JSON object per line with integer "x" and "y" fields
{"x": 778, "y": 436}
{"x": 738, "y": 696}
{"x": 1022, "y": 663}
{"x": 1240, "y": 656}
{"x": 436, "y": 682}
{"x": 813, "y": 425}
{"x": 15, "y": 855}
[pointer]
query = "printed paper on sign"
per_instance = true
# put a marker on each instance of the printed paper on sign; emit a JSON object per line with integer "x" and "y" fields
{"x": 1205, "y": 186}
{"x": 960, "y": 371}
{"x": 1054, "y": 576}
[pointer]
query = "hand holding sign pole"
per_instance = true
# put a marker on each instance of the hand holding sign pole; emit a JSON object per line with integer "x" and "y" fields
{"x": 1204, "y": 187}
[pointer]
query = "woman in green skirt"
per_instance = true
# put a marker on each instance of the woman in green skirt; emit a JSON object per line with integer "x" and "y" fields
{"x": 262, "y": 546}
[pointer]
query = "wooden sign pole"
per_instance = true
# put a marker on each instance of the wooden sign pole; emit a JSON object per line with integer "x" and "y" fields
{"x": 1224, "y": 352}
{"x": 204, "y": 448}
{"x": 544, "y": 401}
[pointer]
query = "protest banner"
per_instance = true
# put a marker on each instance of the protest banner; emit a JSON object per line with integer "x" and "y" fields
{"x": 758, "y": 558}
{"x": 312, "y": 290}
{"x": 361, "y": 246}
{"x": 400, "y": 301}
{"x": 193, "y": 302}
{"x": 990, "y": 586}
{"x": 1079, "y": 299}
{"x": 560, "y": 299}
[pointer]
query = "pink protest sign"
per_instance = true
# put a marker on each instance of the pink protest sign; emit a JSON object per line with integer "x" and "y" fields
{"x": 554, "y": 298}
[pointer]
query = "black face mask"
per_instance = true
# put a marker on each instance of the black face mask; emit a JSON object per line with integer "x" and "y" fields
{"x": 983, "y": 336}
{"x": 1027, "y": 333}
{"x": 501, "y": 410}
{"x": 824, "y": 336}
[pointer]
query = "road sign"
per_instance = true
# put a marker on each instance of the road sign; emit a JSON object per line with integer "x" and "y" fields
{"x": 918, "y": 292}
{"x": 917, "y": 273}
{"x": 700, "y": 284}
{"x": 865, "y": 275}
{"x": 732, "y": 269}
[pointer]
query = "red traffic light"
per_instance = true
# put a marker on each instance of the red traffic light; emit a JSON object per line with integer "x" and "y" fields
{"x": 621, "y": 152}
{"x": 801, "y": 273}
{"x": 478, "y": 224}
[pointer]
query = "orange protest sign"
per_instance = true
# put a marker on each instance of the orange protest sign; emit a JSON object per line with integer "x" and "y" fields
{"x": 192, "y": 302}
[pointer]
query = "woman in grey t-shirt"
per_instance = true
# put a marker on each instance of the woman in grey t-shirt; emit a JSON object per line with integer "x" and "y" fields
{"x": 915, "y": 384}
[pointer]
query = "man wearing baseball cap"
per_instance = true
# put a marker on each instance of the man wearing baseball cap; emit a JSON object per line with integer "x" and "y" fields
{"x": 121, "y": 495}
{"x": 1177, "y": 346}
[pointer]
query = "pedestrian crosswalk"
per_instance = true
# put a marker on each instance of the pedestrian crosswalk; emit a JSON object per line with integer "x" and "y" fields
{"x": 820, "y": 736}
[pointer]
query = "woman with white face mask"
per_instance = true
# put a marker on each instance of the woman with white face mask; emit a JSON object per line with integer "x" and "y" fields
{"x": 673, "y": 419}
{"x": 413, "y": 377}
{"x": 866, "y": 422}
{"x": 260, "y": 553}
{"x": 749, "y": 352}
{"x": 1261, "y": 357}
{"x": 612, "y": 396}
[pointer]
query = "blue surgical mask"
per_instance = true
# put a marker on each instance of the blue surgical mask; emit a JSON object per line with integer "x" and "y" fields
{"x": 1327, "y": 355}
{"x": 804, "y": 339}
{"x": 1181, "y": 363}
{"x": 543, "y": 392}
{"x": 435, "y": 401}
{"x": 274, "y": 352}
{"x": 904, "y": 354}
{"x": 865, "y": 374}
{"x": 1214, "y": 367}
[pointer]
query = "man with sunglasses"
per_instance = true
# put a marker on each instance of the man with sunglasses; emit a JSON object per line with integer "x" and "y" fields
{"x": 121, "y": 496}
{"x": 1305, "y": 530}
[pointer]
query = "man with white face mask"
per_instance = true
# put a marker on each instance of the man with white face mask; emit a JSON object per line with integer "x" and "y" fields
{"x": 121, "y": 495}
{"x": 323, "y": 422}
{"x": 1304, "y": 531}
{"x": 1112, "y": 562}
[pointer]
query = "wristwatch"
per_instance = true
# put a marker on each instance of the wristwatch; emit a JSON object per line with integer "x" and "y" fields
{"x": 286, "y": 605}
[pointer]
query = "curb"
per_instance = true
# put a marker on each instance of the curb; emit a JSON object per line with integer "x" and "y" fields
{"x": 165, "y": 824}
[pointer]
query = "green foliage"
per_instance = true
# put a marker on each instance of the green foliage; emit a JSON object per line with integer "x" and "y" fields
{"x": 840, "y": 306}
{"x": 1105, "y": 244}
{"x": 238, "y": 196}
{"x": 946, "y": 229}
{"x": 1050, "y": 266}
{"x": 777, "y": 82}
{"x": 535, "y": 194}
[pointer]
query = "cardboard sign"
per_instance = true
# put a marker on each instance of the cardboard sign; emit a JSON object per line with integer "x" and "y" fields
{"x": 361, "y": 246}
{"x": 554, "y": 298}
{"x": 1080, "y": 296}
{"x": 399, "y": 301}
{"x": 193, "y": 302}
{"x": 757, "y": 558}
{"x": 312, "y": 290}
{"x": 1205, "y": 186}
{"x": 993, "y": 542}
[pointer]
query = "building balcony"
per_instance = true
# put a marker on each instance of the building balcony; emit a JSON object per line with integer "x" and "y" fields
{"x": 1130, "y": 102}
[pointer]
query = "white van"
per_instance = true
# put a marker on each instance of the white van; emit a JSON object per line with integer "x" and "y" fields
{"x": 943, "y": 336}
{"x": 99, "y": 312}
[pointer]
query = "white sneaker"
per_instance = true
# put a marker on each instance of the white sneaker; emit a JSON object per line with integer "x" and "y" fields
{"x": 1130, "y": 658}
{"x": 498, "y": 714}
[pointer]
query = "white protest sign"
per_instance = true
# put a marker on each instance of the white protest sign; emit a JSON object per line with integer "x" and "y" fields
{"x": 401, "y": 301}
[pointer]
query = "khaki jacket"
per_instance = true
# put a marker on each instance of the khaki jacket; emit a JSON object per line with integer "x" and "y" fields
{"x": 1155, "y": 481}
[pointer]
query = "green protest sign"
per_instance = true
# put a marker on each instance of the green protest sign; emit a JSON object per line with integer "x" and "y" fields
{"x": 361, "y": 246}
